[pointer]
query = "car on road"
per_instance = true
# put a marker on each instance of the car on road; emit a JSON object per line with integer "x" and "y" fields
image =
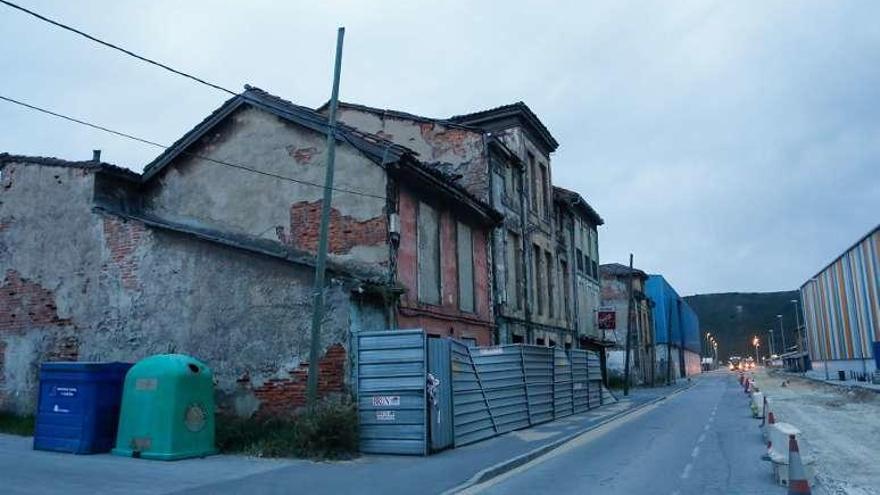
{"x": 734, "y": 363}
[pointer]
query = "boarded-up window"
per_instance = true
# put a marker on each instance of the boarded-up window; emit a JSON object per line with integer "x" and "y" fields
{"x": 545, "y": 193}
{"x": 465, "y": 244}
{"x": 429, "y": 254}
{"x": 566, "y": 290}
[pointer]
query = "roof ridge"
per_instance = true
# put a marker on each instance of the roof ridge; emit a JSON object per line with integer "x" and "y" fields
{"x": 6, "y": 157}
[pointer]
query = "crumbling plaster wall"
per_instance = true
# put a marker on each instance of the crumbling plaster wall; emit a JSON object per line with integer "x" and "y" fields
{"x": 82, "y": 285}
{"x": 450, "y": 148}
{"x": 207, "y": 194}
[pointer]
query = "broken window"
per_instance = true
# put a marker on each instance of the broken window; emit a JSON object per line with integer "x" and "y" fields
{"x": 465, "y": 245}
{"x": 429, "y": 254}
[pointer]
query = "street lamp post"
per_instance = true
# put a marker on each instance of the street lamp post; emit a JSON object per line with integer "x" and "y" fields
{"x": 797, "y": 319}
{"x": 756, "y": 343}
{"x": 781, "y": 332}
{"x": 770, "y": 340}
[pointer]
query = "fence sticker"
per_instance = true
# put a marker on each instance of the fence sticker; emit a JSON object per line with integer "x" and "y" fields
{"x": 385, "y": 416}
{"x": 491, "y": 351}
{"x": 386, "y": 400}
{"x": 64, "y": 391}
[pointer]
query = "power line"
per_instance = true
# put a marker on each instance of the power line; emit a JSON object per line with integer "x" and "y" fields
{"x": 116, "y": 47}
{"x": 194, "y": 155}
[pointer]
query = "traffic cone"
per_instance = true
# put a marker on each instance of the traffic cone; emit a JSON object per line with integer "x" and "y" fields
{"x": 797, "y": 477}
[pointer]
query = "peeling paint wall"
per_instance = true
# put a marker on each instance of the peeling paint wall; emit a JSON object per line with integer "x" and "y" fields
{"x": 451, "y": 148}
{"x": 84, "y": 285}
{"x": 205, "y": 193}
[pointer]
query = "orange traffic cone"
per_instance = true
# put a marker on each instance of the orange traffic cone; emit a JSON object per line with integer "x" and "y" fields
{"x": 797, "y": 477}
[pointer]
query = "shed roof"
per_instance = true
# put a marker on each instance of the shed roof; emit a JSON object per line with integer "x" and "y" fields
{"x": 617, "y": 269}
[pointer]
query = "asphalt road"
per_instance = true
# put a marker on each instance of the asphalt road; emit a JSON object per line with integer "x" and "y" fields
{"x": 700, "y": 441}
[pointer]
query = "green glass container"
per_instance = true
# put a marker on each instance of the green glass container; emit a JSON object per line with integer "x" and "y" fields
{"x": 167, "y": 409}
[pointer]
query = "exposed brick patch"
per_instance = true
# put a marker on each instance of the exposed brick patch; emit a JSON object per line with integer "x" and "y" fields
{"x": 6, "y": 222}
{"x": 283, "y": 396}
{"x": 344, "y": 233}
{"x": 303, "y": 156}
{"x": 122, "y": 239}
{"x": 64, "y": 349}
{"x": 444, "y": 140}
{"x": 25, "y": 304}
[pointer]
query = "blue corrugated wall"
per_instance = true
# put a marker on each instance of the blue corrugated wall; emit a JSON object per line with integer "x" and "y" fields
{"x": 674, "y": 320}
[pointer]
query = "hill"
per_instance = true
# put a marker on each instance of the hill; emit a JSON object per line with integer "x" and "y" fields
{"x": 735, "y": 318}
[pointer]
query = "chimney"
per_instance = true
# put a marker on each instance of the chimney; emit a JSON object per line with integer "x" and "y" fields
{"x": 96, "y": 155}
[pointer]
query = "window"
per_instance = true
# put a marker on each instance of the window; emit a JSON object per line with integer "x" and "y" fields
{"x": 544, "y": 177}
{"x": 429, "y": 254}
{"x": 549, "y": 266}
{"x": 580, "y": 259}
{"x": 566, "y": 290}
{"x": 539, "y": 285}
{"x": 465, "y": 247}
{"x": 514, "y": 271}
{"x": 508, "y": 181}
{"x": 533, "y": 174}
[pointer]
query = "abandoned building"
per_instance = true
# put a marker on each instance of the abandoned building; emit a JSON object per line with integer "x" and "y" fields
{"x": 210, "y": 252}
{"x": 545, "y": 250}
{"x": 629, "y": 318}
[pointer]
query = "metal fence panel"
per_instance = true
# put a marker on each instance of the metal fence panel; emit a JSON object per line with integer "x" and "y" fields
{"x": 538, "y": 369}
{"x": 472, "y": 421}
{"x": 562, "y": 384}
{"x": 440, "y": 394}
{"x": 392, "y": 410}
{"x": 500, "y": 370}
{"x": 594, "y": 377}
{"x": 580, "y": 389}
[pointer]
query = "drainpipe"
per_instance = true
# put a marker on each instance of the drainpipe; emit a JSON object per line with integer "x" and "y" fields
{"x": 526, "y": 257}
{"x": 491, "y": 269}
{"x": 572, "y": 268}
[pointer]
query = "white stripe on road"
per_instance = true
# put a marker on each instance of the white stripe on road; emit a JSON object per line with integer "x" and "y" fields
{"x": 702, "y": 437}
{"x": 695, "y": 452}
{"x": 706, "y": 427}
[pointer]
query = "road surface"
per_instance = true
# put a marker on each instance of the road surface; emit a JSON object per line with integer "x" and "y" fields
{"x": 700, "y": 441}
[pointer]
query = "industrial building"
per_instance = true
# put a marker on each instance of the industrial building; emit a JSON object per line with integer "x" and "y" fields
{"x": 842, "y": 311}
{"x": 676, "y": 331}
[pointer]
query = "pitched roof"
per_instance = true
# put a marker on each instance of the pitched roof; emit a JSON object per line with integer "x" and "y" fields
{"x": 518, "y": 109}
{"x": 575, "y": 200}
{"x": 374, "y": 147}
{"x": 108, "y": 168}
{"x": 616, "y": 269}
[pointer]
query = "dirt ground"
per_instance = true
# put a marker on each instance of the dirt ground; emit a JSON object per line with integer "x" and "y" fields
{"x": 841, "y": 427}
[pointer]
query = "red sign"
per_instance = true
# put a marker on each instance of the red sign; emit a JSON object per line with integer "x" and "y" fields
{"x": 607, "y": 320}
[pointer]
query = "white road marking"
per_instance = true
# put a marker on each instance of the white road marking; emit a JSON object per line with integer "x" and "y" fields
{"x": 687, "y": 471}
{"x": 695, "y": 452}
{"x": 706, "y": 427}
{"x": 702, "y": 437}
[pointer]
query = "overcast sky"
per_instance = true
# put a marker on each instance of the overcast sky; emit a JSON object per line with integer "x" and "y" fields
{"x": 731, "y": 146}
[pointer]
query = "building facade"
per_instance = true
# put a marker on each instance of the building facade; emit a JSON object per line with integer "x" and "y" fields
{"x": 630, "y": 317}
{"x": 544, "y": 252}
{"x": 841, "y": 309}
{"x": 210, "y": 252}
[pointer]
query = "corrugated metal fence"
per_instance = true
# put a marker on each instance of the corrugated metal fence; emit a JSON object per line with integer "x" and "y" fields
{"x": 493, "y": 390}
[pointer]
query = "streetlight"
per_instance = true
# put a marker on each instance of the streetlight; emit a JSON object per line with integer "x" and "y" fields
{"x": 782, "y": 332}
{"x": 770, "y": 340}
{"x": 756, "y": 343}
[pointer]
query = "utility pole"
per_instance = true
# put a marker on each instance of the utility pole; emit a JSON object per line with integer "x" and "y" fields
{"x": 629, "y": 321}
{"x": 321, "y": 261}
{"x": 770, "y": 340}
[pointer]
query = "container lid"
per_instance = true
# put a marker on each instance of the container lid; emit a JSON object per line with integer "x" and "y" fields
{"x": 84, "y": 366}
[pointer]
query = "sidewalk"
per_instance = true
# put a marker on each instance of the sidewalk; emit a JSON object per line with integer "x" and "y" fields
{"x": 27, "y": 471}
{"x": 819, "y": 377}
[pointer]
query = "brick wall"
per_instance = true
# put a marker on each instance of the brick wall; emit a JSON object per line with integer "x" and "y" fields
{"x": 122, "y": 238}
{"x": 25, "y": 304}
{"x": 344, "y": 232}
{"x": 283, "y": 396}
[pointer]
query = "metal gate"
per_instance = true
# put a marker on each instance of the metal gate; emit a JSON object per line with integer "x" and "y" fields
{"x": 439, "y": 389}
{"x": 562, "y": 384}
{"x": 579, "y": 383}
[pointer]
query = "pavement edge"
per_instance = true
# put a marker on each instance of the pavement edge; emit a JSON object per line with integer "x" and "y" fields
{"x": 515, "y": 462}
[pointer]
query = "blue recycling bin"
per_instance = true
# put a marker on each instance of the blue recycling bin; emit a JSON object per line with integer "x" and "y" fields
{"x": 78, "y": 406}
